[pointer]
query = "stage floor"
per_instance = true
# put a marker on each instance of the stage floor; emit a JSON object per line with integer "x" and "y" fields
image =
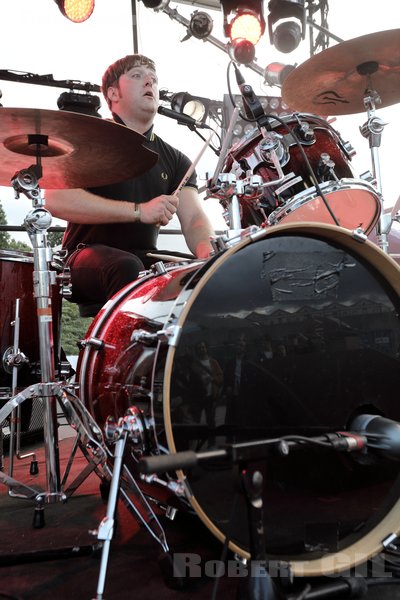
{"x": 62, "y": 560}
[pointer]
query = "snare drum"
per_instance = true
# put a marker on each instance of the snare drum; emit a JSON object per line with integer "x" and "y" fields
{"x": 355, "y": 203}
{"x": 16, "y": 282}
{"x": 328, "y": 307}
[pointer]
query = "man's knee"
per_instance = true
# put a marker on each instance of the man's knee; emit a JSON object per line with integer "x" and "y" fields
{"x": 120, "y": 271}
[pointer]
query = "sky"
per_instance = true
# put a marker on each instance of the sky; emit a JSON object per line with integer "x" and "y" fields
{"x": 36, "y": 38}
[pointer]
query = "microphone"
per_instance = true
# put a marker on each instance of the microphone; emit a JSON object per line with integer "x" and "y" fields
{"x": 181, "y": 118}
{"x": 252, "y": 106}
{"x": 340, "y": 441}
{"x": 382, "y": 434}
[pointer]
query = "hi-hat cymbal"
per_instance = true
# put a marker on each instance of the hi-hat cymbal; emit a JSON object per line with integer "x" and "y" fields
{"x": 77, "y": 150}
{"x": 333, "y": 82}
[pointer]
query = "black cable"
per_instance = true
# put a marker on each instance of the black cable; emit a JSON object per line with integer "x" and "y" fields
{"x": 216, "y": 151}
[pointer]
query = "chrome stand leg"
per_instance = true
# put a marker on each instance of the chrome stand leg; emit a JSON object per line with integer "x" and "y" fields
{"x": 106, "y": 528}
{"x": 123, "y": 482}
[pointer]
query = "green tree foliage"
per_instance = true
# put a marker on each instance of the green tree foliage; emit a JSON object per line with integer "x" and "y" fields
{"x": 5, "y": 237}
{"x": 73, "y": 328}
{"x": 55, "y": 238}
{"x": 6, "y": 241}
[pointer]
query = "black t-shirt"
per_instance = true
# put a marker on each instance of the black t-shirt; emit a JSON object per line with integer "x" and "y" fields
{"x": 163, "y": 178}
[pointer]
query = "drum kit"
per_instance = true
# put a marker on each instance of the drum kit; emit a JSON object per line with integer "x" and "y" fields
{"x": 295, "y": 270}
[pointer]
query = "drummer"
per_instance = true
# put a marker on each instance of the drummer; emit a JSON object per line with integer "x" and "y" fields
{"x": 111, "y": 229}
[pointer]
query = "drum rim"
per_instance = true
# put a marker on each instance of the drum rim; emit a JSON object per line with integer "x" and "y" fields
{"x": 327, "y": 187}
{"x": 391, "y": 273}
{"x": 9, "y": 255}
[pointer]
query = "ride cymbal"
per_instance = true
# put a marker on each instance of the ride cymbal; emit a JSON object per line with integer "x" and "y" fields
{"x": 76, "y": 150}
{"x": 334, "y": 81}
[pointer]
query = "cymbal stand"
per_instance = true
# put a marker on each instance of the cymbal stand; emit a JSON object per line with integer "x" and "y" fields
{"x": 37, "y": 222}
{"x": 372, "y": 130}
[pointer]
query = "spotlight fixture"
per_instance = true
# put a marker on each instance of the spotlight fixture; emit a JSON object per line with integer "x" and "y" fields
{"x": 275, "y": 73}
{"x": 193, "y": 106}
{"x": 287, "y": 34}
{"x": 201, "y": 25}
{"x": 243, "y": 20}
{"x": 87, "y": 104}
{"x": 156, "y": 5}
{"x": 246, "y": 25}
{"x": 76, "y": 11}
{"x": 241, "y": 51}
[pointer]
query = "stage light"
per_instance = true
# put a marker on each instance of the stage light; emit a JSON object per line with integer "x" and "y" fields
{"x": 276, "y": 73}
{"x": 246, "y": 25}
{"x": 87, "y": 104}
{"x": 76, "y": 11}
{"x": 201, "y": 25}
{"x": 287, "y": 34}
{"x": 241, "y": 51}
{"x": 156, "y": 5}
{"x": 243, "y": 20}
{"x": 193, "y": 106}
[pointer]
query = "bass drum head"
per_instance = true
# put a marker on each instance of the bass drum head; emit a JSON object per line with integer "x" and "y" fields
{"x": 313, "y": 317}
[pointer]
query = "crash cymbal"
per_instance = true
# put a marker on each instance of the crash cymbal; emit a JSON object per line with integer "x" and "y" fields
{"x": 333, "y": 82}
{"x": 76, "y": 150}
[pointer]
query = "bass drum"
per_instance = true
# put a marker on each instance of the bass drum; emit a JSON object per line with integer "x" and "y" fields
{"x": 303, "y": 323}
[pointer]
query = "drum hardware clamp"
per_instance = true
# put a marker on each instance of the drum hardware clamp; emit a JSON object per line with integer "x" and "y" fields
{"x": 359, "y": 235}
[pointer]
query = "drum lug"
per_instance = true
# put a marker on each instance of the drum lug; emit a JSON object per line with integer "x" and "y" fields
{"x": 170, "y": 334}
{"x": 94, "y": 342}
{"x": 349, "y": 149}
{"x": 158, "y": 268}
{"x": 368, "y": 177}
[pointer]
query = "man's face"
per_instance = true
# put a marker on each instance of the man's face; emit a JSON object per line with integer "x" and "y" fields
{"x": 137, "y": 92}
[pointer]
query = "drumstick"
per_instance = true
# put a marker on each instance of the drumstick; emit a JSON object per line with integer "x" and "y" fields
{"x": 193, "y": 165}
{"x": 167, "y": 257}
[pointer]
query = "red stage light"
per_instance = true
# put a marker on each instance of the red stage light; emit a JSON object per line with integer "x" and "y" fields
{"x": 246, "y": 25}
{"x": 76, "y": 11}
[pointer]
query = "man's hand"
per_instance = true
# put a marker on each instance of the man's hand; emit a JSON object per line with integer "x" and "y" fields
{"x": 159, "y": 210}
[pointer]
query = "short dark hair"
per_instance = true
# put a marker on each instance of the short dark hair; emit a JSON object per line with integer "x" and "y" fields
{"x": 121, "y": 66}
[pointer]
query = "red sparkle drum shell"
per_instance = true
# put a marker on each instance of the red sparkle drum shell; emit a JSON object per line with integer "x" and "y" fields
{"x": 16, "y": 281}
{"x": 327, "y": 308}
{"x": 354, "y": 202}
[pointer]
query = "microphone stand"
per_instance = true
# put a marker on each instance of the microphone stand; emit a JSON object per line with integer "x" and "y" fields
{"x": 258, "y": 584}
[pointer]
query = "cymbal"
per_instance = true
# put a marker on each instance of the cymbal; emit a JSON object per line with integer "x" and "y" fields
{"x": 78, "y": 150}
{"x": 333, "y": 82}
